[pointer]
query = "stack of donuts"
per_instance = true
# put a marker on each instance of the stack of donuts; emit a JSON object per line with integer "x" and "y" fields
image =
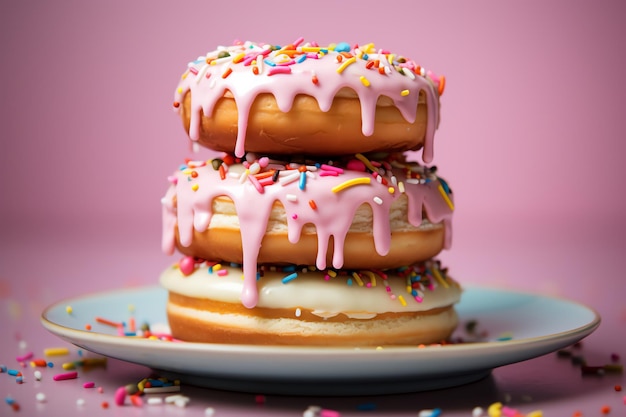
{"x": 312, "y": 227}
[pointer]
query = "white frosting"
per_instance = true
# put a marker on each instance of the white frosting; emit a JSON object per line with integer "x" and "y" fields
{"x": 310, "y": 290}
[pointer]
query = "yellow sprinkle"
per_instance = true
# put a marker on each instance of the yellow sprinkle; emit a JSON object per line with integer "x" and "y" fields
{"x": 350, "y": 183}
{"x": 311, "y": 49}
{"x": 495, "y": 410}
{"x": 345, "y": 64}
{"x": 56, "y": 351}
{"x": 364, "y": 81}
{"x": 239, "y": 58}
{"x": 358, "y": 279}
{"x": 68, "y": 366}
{"x": 187, "y": 171}
{"x": 445, "y": 197}
{"x": 153, "y": 338}
{"x": 331, "y": 273}
{"x": 367, "y": 48}
{"x": 366, "y": 161}
{"x": 408, "y": 289}
{"x": 390, "y": 57}
{"x": 401, "y": 187}
{"x": 68, "y": 309}
{"x": 536, "y": 413}
{"x": 391, "y": 190}
{"x": 195, "y": 187}
{"x": 371, "y": 276}
{"x": 217, "y": 267}
{"x": 404, "y": 93}
{"x": 439, "y": 278}
{"x": 401, "y": 298}
{"x": 180, "y": 90}
{"x": 183, "y": 77}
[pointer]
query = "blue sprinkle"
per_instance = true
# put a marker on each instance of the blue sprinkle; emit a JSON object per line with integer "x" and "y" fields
{"x": 302, "y": 183}
{"x": 270, "y": 63}
{"x": 445, "y": 186}
{"x": 342, "y": 47}
{"x": 9, "y": 400}
{"x": 13, "y": 372}
{"x": 436, "y": 412}
{"x": 366, "y": 57}
{"x": 349, "y": 281}
{"x": 289, "y": 268}
{"x": 301, "y": 58}
{"x": 414, "y": 292}
{"x": 324, "y": 50}
{"x": 290, "y": 277}
{"x": 182, "y": 167}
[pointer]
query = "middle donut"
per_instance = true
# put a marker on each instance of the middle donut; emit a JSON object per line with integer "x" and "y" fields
{"x": 366, "y": 211}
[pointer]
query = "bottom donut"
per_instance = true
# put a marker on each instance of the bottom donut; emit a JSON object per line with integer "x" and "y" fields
{"x": 412, "y": 305}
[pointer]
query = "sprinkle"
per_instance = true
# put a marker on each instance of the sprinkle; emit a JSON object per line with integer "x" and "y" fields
{"x": 40, "y": 397}
{"x": 357, "y": 278}
{"x": 37, "y": 375}
{"x": 302, "y": 182}
{"x": 222, "y": 272}
{"x": 65, "y": 376}
{"x": 402, "y": 301}
{"x": 227, "y": 72}
{"x": 290, "y": 277}
{"x": 439, "y": 278}
{"x": 155, "y": 401}
{"x": 291, "y": 177}
{"x": 68, "y": 309}
{"x": 195, "y": 187}
{"x": 279, "y": 70}
{"x": 442, "y": 85}
{"x": 378, "y": 200}
{"x": 350, "y": 183}
{"x": 345, "y": 64}
{"x": 364, "y": 81}
{"x": 256, "y": 183}
{"x": 326, "y": 167}
{"x": 404, "y": 93}
{"x": 366, "y": 161}
{"x": 445, "y": 197}
{"x": 60, "y": 351}
{"x": 25, "y": 357}
{"x": 89, "y": 385}
{"x": 314, "y": 79}
{"x": 312, "y": 204}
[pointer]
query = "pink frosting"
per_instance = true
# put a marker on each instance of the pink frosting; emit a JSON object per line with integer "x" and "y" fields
{"x": 336, "y": 199}
{"x": 250, "y": 69}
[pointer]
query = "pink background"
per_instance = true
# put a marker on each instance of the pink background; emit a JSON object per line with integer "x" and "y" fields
{"x": 532, "y": 139}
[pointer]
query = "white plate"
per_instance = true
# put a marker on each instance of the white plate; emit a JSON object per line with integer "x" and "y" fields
{"x": 538, "y": 325}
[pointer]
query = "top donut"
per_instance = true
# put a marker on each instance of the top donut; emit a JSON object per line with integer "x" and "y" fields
{"x": 303, "y": 98}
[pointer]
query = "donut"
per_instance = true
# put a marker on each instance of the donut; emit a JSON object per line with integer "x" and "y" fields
{"x": 305, "y": 306}
{"x": 363, "y": 212}
{"x": 302, "y": 98}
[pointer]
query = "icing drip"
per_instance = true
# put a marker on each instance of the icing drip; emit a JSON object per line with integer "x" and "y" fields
{"x": 246, "y": 70}
{"x": 197, "y": 184}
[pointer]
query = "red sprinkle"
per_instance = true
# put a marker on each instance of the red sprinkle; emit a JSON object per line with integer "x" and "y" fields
{"x": 227, "y": 72}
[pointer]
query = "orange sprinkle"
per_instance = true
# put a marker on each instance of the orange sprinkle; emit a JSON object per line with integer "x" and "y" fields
{"x": 87, "y": 326}
{"x": 228, "y": 159}
{"x": 255, "y": 70}
{"x": 377, "y": 63}
{"x": 312, "y": 204}
{"x": 442, "y": 84}
{"x": 369, "y": 64}
{"x": 108, "y": 322}
{"x": 314, "y": 79}
{"x": 222, "y": 172}
{"x": 176, "y": 104}
{"x": 347, "y": 55}
{"x": 227, "y": 72}
{"x": 617, "y": 388}
{"x": 381, "y": 70}
{"x": 605, "y": 409}
{"x": 339, "y": 58}
{"x": 265, "y": 174}
{"x": 302, "y": 168}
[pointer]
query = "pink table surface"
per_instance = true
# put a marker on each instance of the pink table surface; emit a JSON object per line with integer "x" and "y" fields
{"x": 531, "y": 141}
